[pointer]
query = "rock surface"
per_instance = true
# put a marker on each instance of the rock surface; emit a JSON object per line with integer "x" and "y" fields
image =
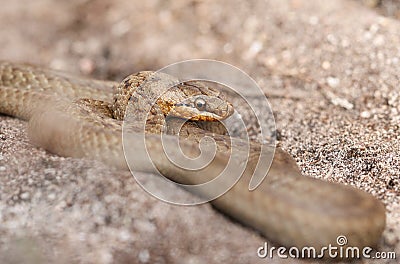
{"x": 330, "y": 69}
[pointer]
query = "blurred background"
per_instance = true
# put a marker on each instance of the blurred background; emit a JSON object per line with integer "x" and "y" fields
{"x": 112, "y": 39}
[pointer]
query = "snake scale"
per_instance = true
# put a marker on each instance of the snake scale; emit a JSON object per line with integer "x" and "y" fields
{"x": 78, "y": 117}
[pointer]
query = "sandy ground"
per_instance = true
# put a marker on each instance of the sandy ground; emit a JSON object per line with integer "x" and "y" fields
{"x": 330, "y": 69}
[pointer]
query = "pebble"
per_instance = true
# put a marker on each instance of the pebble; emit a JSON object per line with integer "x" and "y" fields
{"x": 326, "y": 65}
{"x": 51, "y": 196}
{"x": 365, "y": 114}
{"x": 144, "y": 256}
{"x": 25, "y": 195}
{"x": 333, "y": 82}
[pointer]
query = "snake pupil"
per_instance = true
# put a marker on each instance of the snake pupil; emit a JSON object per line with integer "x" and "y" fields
{"x": 200, "y": 104}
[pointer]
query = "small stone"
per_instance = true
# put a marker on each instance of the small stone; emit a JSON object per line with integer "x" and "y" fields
{"x": 332, "y": 39}
{"x": 270, "y": 61}
{"x": 50, "y": 171}
{"x": 144, "y": 256}
{"x": 326, "y": 65}
{"x": 255, "y": 48}
{"x": 124, "y": 236}
{"x": 365, "y": 114}
{"x": 25, "y": 195}
{"x": 333, "y": 82}
{"x": 345, "y": 43}
{"x": 51, "y": 196}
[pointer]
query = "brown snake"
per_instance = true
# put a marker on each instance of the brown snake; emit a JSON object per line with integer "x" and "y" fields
{"x": 287, "y": 207}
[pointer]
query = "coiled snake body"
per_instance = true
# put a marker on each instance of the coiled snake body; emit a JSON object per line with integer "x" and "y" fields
{"x": 287, "y": 207}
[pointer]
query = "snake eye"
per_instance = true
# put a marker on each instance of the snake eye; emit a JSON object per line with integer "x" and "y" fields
{"x": 200, "y": 104}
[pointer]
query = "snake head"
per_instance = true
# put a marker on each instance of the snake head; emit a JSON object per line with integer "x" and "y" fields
{"x": 202, "y": 108}
{"x": 195, "y": 101}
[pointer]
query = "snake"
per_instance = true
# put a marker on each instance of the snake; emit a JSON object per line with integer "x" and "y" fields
{"x": 77, "y": 117}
